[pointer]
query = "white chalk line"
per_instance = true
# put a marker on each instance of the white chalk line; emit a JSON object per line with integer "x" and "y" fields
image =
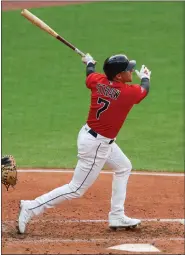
{"x": 102, "y": 172}
{"x": 182, "y": 221}
{"x": 94, "y": 240}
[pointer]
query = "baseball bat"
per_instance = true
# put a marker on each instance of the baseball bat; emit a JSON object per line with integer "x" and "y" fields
{"x": 38, "y": 22}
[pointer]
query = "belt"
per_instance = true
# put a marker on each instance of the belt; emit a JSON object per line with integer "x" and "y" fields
{"x": 93, "y": 133}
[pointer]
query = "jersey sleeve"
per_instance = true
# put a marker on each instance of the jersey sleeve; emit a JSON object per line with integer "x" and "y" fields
{"x": 91, "y": 79}
{"x": 138, "y": 93}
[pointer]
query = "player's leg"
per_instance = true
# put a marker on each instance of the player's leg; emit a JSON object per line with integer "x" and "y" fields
{"x": 122, "y": 167}
{"x": 92, "y": 155}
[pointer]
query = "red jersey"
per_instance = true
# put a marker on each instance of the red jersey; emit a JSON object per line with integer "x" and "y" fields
{"x": 111, "y": 102}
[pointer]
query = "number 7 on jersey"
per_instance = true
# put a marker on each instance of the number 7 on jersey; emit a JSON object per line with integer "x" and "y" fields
{"x": 104, "y": 107}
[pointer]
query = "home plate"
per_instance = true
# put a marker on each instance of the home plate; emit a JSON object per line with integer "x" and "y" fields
{"x": 135, "y": 247}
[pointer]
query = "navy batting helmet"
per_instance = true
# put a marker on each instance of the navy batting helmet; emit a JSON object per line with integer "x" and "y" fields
{"x": 117, "y": 64}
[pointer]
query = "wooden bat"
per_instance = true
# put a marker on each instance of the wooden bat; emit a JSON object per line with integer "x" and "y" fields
{"x": 38, "y": 22}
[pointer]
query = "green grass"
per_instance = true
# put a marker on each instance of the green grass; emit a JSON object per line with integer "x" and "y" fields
{"x": 44, "y": 99}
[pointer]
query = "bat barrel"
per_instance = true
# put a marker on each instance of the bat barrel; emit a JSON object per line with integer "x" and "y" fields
{"x": 38, "y": 22}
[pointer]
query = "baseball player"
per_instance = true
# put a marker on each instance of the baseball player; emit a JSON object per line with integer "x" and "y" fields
{"x": 111, "y": 100}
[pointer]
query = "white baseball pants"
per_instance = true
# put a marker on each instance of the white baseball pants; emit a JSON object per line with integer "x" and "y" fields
{"x": 93, "y": 153}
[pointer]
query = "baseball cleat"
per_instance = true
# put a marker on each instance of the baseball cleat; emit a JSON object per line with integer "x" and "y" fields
{"x": 124, "y": 222}
{"x": 24, "y": 216}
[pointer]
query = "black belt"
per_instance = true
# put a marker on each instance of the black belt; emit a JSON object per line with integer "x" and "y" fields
{"x": 93, "y": 133}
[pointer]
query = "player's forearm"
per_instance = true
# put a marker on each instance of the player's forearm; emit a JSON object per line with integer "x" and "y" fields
{"x": 90, "y": 69}
{"x": 145, "y": 83}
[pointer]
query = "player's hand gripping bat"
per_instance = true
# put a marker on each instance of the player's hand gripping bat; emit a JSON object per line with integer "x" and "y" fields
{"x": 38, "y": 22}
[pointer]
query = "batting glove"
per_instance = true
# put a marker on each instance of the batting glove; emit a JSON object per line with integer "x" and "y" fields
{"x": 88, "y": 59}
{"x": 143, "y": 73}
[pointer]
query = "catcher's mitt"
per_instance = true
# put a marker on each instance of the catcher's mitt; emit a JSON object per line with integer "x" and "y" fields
{"x": 9, "y": 171}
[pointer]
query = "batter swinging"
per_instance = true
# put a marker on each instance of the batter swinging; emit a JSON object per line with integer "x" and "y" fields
{"x": 111, "y": 100}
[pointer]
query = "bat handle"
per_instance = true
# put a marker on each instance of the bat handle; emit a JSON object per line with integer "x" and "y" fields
{"x": 79, "y": 52}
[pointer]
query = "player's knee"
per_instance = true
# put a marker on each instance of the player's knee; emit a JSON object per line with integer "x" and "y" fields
{"x": 126, "y": 168}
{"x": 80, "y": 192}
{"x": 129, "y": 166}
{"x": 76, "y": 191}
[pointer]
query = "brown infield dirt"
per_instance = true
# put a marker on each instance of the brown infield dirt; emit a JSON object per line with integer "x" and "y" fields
{"x": 70, "y": 229}
{"x": 56, "y": 232}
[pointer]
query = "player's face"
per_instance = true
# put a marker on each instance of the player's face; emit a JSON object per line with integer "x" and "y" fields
{"x": 128, "y": 76}
{"x": 124, "y": 76}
